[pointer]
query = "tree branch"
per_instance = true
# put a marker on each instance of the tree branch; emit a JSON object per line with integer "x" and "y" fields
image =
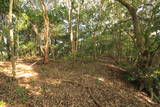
{"x": 137, "y": 29}
{"x": 127, "y": 5}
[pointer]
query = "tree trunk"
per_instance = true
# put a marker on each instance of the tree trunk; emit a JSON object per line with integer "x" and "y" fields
{"x": 46, "y": 26}
{"x": 94, "y": 46}
{"x": 145, "y": 56}
{"x": 70, "y": 29}
{"x": 140, "y": 41}
{"x": 137, "y": 30}
{"x": 37, "y": 38}
{"x": 11, "y": 38}
{"x": 78, "y": 23}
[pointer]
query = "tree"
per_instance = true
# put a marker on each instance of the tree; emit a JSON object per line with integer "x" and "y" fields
{"x": 11, "y": 38}
{"x": 144, "y": 63}
{"x": 44, "y": 48}
{"x": 70, "y": 28}
{"x": 46, "y": 26}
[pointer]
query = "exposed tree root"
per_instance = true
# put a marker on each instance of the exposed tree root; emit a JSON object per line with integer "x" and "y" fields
{"x": 88, "y": 91}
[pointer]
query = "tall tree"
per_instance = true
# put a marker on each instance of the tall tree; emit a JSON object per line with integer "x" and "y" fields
{"x": 70, "y": 28}
{"x": 11, "y": 37}
{"x": 46, "y": 32}
{"x": 145, "y": 54}
{"x": 78, "y": 23}
{"x": 136, "y": 23}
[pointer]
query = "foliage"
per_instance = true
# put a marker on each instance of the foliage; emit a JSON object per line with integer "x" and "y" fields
{"x": 129, "y": 77}
{"x": 21, "y": 92}
{"x": 2, "y": 103}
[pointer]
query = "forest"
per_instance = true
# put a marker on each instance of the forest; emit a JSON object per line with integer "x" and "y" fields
{"x": 79, "y": 53}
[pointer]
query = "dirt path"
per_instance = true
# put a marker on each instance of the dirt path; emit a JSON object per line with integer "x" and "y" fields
{"x": 68, "y": 84}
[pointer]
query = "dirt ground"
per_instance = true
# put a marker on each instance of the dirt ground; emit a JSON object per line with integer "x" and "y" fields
{"x": 64, "y": 83}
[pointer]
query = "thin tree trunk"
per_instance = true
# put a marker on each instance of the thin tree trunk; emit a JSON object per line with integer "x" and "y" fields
{"x": 78, "y": 23}
{"x": 37, "y": 38}
{"x": 94, "y": 46}
{"x": 11, "y": 38}
{"x": 46, "y": 26}
{"x": 70, "y": 29}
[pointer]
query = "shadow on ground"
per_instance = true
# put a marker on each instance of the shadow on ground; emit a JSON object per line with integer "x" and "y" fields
{"x": 64, "y": 83}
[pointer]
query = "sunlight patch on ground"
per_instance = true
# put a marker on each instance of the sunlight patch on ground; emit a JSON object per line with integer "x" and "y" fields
{"x": 101, "y": 79}
{"x": 35, "y": 92}
{"x": 96, "y": 78}
{"x": 25, "y": 71}
{"x": 53, "y": 81}
{"x": 27, "y": 86}
{"x": 25, "y": 74}
{"x": 23, "y": 66}
{"x": 22, "y": 70}
{"x": 5, "y": 67}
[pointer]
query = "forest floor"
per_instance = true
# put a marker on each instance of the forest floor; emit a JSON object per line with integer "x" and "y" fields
{"x": 64, "y": 83}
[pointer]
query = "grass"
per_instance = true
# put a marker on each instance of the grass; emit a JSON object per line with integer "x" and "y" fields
{"x": 22, "y": 94}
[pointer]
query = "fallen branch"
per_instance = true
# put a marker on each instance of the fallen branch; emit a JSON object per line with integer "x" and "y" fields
{"x": 94, "y": 99}
{"x": 35, "y": 62}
